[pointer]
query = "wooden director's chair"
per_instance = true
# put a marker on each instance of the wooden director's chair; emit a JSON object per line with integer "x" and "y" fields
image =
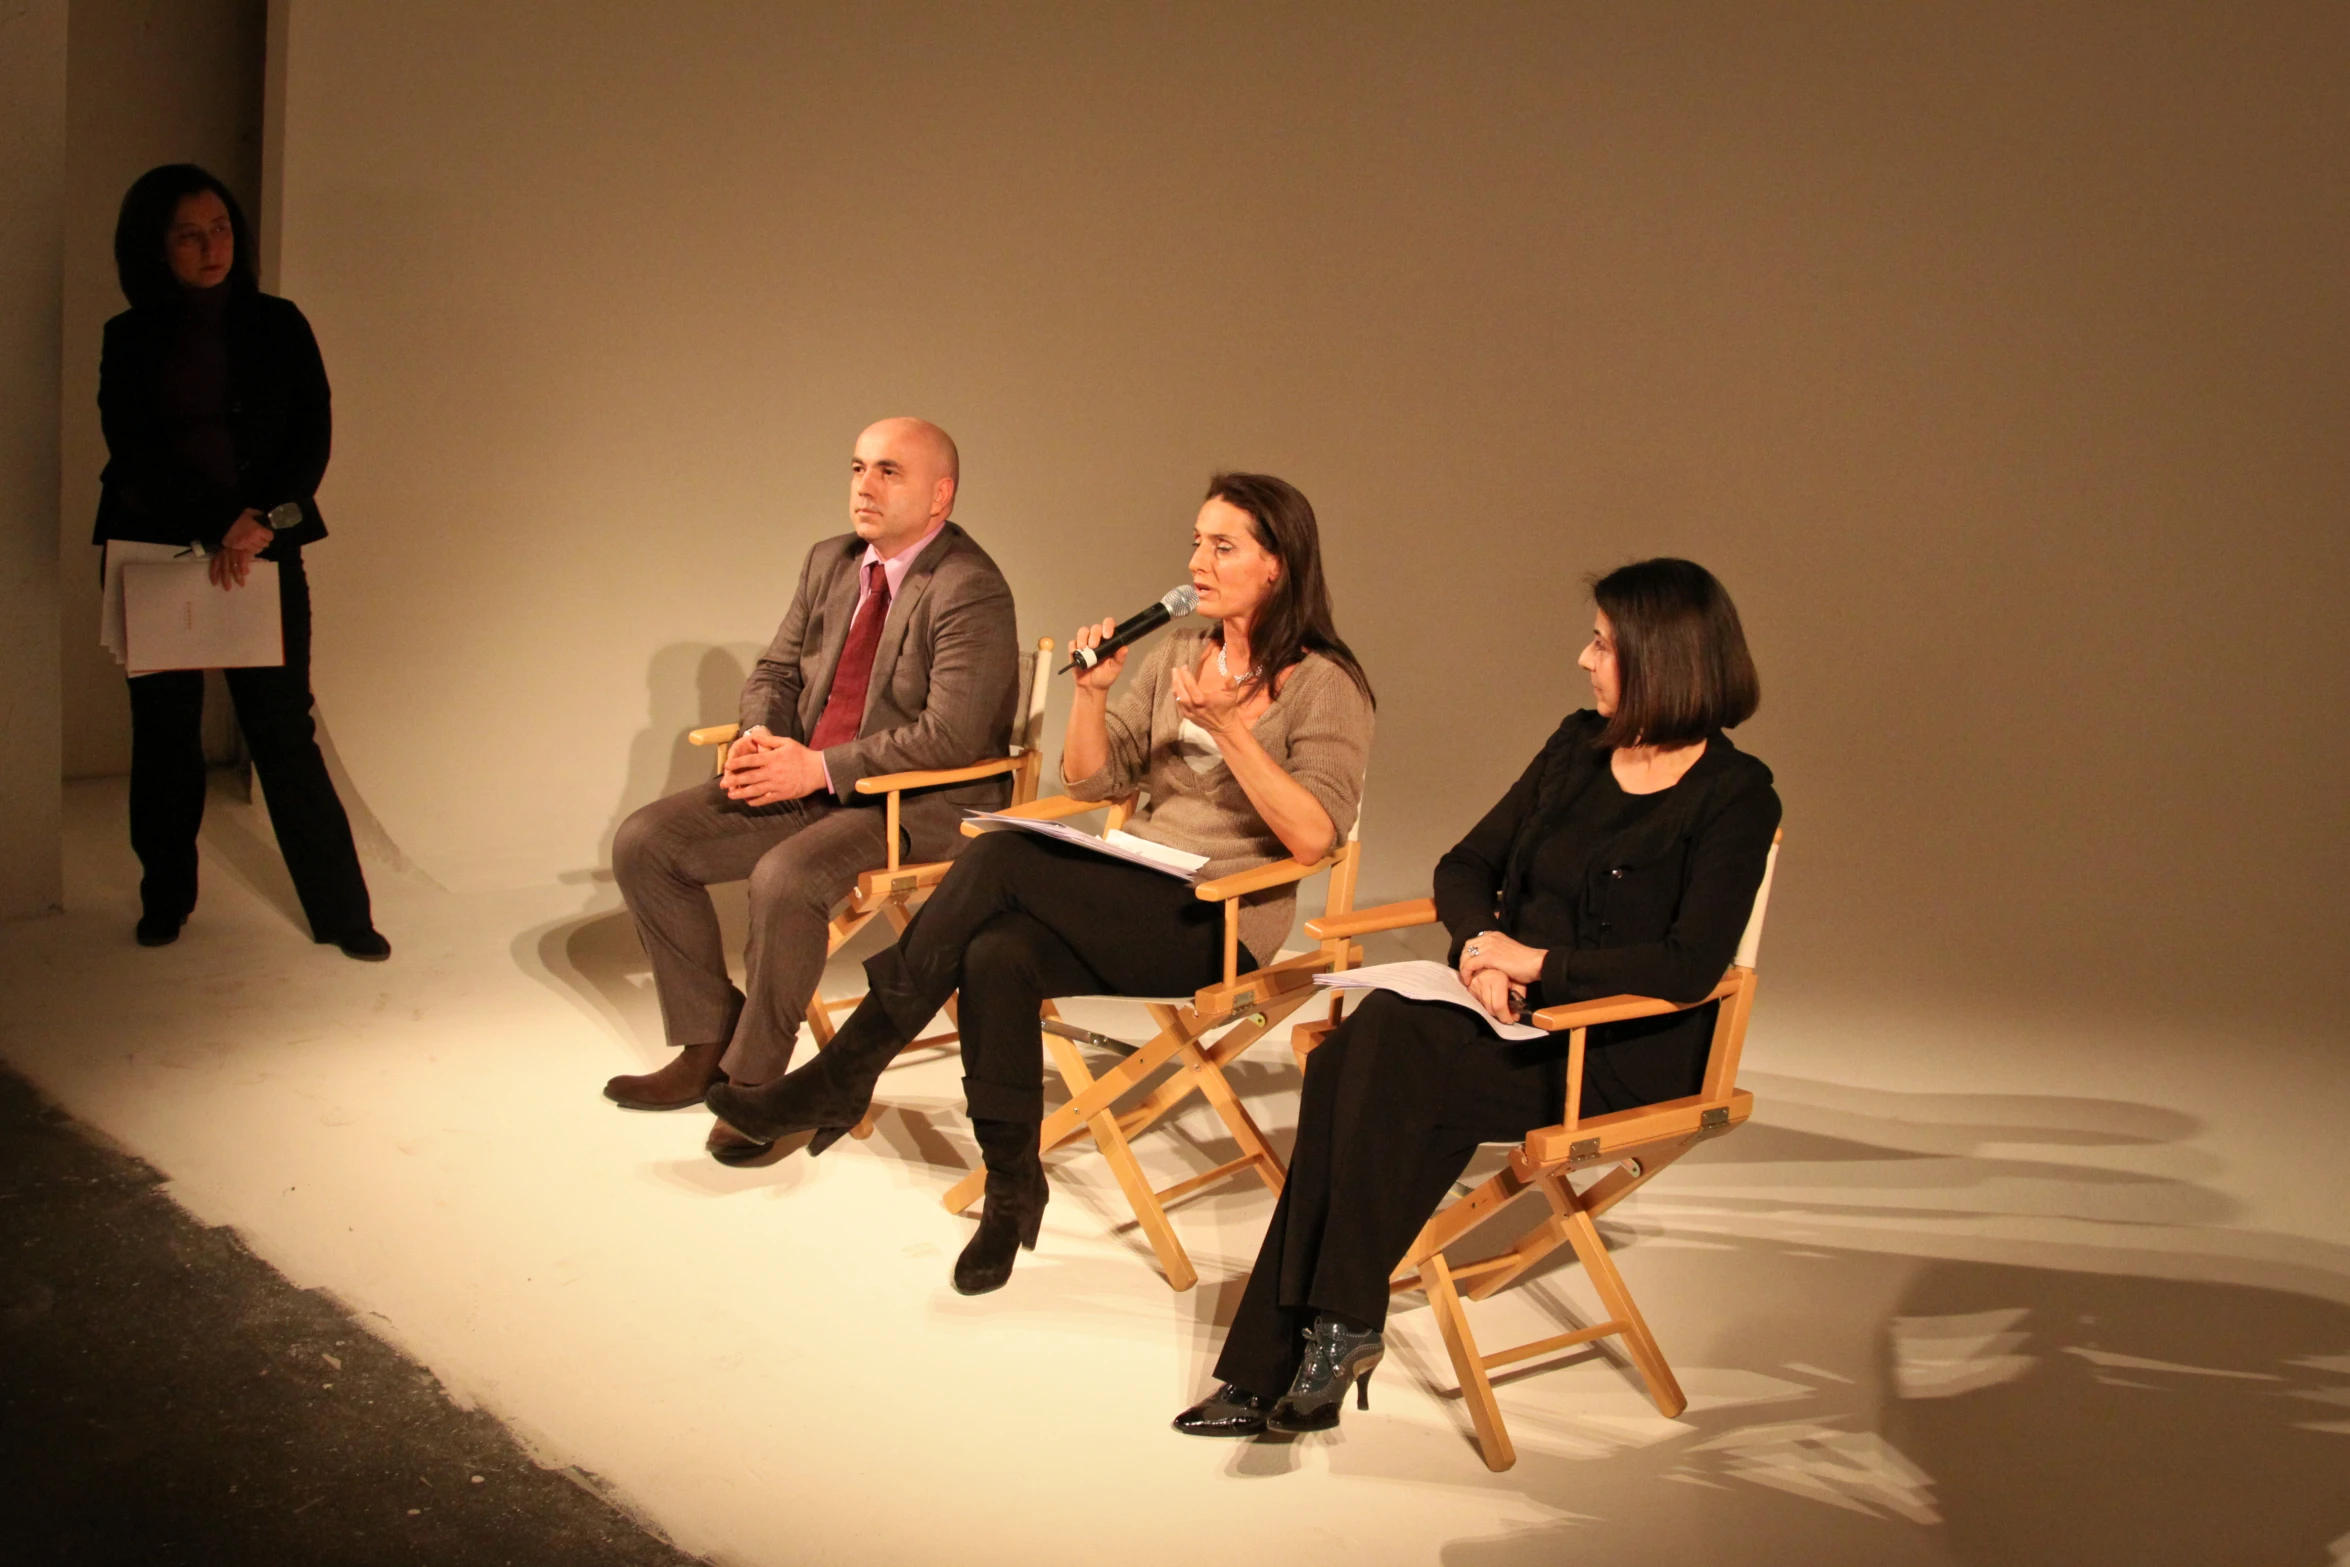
{"x": 1632, "y": 1145}
{"x": 1246, "y": 1007}
{"x": 894, "y": 890}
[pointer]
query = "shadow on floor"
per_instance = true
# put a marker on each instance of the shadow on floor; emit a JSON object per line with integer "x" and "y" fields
{"x": 1966, "y": 1413}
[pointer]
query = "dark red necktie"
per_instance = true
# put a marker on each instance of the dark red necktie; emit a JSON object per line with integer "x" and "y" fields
{"x": 844, "y": 709}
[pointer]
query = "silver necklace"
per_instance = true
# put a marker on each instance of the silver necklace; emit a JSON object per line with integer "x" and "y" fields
{"x": 1225, "y": 669}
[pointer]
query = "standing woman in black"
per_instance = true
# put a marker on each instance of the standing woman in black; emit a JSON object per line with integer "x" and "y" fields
{"x": 215, "y": 407}
{"x": 1624, "y": 860}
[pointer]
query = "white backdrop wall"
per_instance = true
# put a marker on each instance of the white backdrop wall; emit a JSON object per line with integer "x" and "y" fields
{"x": 32, "y": 224}
{"x": 1994, "y": 357}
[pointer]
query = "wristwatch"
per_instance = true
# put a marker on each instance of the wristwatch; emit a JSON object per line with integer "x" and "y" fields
{"x": 284, "y": 515}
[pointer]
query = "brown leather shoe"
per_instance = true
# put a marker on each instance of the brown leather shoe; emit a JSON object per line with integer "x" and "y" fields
{"x": 728, "y": 1146}
{"x": 682, "y": 1082}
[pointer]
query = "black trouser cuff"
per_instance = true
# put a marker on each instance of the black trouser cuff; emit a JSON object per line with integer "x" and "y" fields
{"x": 1003, "y": 1102}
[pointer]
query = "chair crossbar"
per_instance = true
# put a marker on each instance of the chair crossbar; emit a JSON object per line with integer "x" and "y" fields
{"x": 1450, "y": 1224}
{"x": 1183, "y": 1189}
{"x": 1086, "y": 1036}
{"x": 1198, "y": 1065}
{"x": 1544, "y": 1346}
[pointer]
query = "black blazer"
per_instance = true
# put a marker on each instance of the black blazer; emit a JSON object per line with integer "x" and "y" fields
{"x": 279, "y": 420}
{"x": 1663, "y": 909}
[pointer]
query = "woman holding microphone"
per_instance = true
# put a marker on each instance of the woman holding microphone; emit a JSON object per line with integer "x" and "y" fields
{"x": 1248, "y": 738}
{"x": 214, "y": 403}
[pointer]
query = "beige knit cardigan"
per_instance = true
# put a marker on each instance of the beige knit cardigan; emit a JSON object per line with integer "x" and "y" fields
{"x": 1318, "y": 729}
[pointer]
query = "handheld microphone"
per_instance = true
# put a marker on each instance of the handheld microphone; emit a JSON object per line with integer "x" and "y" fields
{"x": 1179, "y": 601}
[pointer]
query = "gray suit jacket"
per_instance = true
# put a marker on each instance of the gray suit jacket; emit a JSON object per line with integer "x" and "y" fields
{"x": 945, "y": 678}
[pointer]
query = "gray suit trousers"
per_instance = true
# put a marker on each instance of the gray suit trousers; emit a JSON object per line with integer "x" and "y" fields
{"x": 801, "y": 858}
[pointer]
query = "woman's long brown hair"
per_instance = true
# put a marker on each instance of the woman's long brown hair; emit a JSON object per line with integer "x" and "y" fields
{"x": 1295, "y": 618}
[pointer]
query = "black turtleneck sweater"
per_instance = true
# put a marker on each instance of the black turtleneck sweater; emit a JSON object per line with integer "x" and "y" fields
{"x": 194, "y": 386}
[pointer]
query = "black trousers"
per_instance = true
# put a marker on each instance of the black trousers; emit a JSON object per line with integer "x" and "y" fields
{"x": 273, "y": 710}
{"x": 1020, "y": 920}
{"x": 1396, "y": 1101}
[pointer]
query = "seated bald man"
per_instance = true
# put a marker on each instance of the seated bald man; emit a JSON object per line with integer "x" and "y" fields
{"x": 899, "y": 653}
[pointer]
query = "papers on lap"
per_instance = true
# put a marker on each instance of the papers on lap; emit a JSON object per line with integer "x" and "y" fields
{"x": 1117, "y": 845}
{"x": 173, "y": 617}
{"x": 1423, "y": 980}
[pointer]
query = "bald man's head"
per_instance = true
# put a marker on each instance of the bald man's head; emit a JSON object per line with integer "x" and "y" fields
{"x": 902, "y": 480}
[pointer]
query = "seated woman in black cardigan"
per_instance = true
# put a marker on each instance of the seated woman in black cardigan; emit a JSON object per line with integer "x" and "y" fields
{"x": 1624, "y": 860}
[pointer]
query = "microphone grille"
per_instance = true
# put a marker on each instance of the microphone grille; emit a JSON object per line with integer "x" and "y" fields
{"x": 1182, "y": 600}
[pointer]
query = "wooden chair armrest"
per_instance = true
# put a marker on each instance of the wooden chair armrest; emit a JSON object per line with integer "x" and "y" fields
{"x": 1364, "y": 922}
{"x": 1616, "y": 1009}
{"x": 1280, "y": 872}
{"x": 891, "y": 783}
{"x": 874, "y": 888}
{"x": 1053, "y": 808}
{"x": 715, "y": 734}
{"x": 1603, "y": 1139}
{"x": 1259, "y": 986}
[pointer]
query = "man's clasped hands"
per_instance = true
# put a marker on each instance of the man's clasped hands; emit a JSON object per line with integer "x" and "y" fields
{"x": 764, "y": 768}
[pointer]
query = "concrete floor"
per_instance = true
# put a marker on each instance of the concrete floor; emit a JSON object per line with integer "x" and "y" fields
{"x": 166, "y": 1397}
{"x": 1966, "y": 1290}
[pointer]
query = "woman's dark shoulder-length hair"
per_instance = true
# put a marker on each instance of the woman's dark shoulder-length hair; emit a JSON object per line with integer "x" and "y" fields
{"x": 1682, "y": 668}
{"x": 1295, "y": 620}
{"x": 139, "y": 232}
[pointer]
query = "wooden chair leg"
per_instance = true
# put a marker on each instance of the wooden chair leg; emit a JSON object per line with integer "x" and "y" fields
{"x": 1531, "y": 1248}
{"x": 837, "y": 934}
{"x": 1622, "y": 1181}
{"x": 1306, "y": 1038}
{"x": 1639, "y": 1343}
{"x": 1493, "y": 1438}
{"x": 1449, "y": 1224}
{"x": 1239, "y": 1122}
{"x": 1183, "y": 1082}
{"x": 1131, "y": 1180}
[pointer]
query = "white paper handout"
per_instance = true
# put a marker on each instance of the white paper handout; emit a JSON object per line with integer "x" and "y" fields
{"x": 1118, "y": 845}
{"x": 173, "y": 617}
{"x": 120, "y": 553}
{"x": 1426, "y": 980}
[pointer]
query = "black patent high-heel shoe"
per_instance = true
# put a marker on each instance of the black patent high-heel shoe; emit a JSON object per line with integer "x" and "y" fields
{"x": 1336, "y": 1354}
{"x": 1231, "y": 1410}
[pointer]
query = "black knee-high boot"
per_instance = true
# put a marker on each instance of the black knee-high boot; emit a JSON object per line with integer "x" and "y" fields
{"x": 1016, "y": 1195}
{"x": 826, "y": 1096}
